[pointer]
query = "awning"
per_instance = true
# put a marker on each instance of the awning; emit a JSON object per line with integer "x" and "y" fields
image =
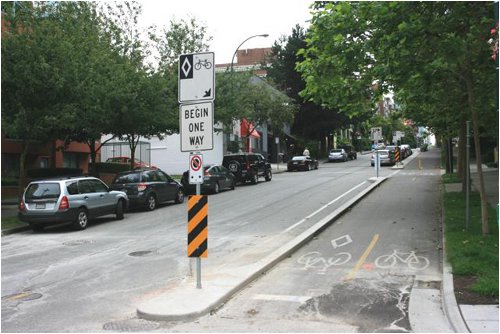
{"x": 245, "y": 125}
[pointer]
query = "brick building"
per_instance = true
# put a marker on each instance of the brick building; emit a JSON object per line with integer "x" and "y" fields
{"x": 247, "y": 59}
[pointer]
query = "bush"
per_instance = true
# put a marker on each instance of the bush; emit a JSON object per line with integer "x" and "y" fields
{"x": 110, "y": 167}
{"x": 10, "y": 181}
{"x": 40, "y": 173}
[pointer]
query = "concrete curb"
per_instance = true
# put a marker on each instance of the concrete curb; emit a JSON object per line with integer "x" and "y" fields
{"x": 158, "y": 310}
{"x": 450, "y": 305}
{"x": 15, "y": 230}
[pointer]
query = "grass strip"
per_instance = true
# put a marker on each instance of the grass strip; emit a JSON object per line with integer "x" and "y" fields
{"x": 468, "y": 251}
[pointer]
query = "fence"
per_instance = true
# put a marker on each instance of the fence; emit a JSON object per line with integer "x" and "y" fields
{"x": 122, "y": 149}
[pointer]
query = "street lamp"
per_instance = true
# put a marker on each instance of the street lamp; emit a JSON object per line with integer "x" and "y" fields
{"x": 234, "y": 55}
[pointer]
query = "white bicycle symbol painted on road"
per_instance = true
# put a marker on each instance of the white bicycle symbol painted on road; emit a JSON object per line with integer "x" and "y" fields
{"x": 411, "y": 259}
{"x": 316, "y": 261}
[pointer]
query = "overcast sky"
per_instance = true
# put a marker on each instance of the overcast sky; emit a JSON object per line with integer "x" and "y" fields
{"x": 230, "y": 22}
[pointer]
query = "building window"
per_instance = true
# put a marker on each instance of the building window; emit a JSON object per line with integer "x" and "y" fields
{"x": 70, "y": 160}
{"x": 44, "y": 162}
{"x": 10, "y": 165}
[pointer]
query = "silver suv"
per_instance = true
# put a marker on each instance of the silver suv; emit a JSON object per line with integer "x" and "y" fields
{"x": 69, "y": 199}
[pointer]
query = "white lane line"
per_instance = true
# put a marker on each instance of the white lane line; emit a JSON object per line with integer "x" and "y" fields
{"x": 322, "y": 208}
{"x": 282, "y": 298}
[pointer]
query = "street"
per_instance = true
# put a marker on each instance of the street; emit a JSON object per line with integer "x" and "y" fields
{"x": 92, "y": 280}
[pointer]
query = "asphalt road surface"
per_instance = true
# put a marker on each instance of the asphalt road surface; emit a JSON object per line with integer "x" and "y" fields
{"x": 92, "y": 280}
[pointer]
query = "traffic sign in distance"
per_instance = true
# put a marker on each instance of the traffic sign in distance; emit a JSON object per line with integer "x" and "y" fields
{"x": 198, "y": 226}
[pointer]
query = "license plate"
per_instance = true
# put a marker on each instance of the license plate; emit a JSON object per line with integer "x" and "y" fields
{"x": 40, "y": 206}
{"x": 295, "y": 163}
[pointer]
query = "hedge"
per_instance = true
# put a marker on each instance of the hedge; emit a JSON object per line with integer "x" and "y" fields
{"x": 110, "y": 167}
{"x": 38, "y": 173}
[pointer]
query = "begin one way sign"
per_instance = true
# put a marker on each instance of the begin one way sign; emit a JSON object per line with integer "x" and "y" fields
{"x": 196, "y": 126}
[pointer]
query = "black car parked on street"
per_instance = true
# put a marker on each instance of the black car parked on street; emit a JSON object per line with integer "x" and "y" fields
{"x": 302, "y": 162}
{"x": 148, "y": 187}
{"x": 248, "y": 167}
{"x": 215, "y": 178}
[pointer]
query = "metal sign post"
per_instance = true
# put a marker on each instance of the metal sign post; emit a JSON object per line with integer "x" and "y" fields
{"x": 196, "y": 124}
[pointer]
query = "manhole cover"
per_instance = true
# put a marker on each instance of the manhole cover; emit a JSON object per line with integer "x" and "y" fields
{"x": 78, "y": 242}
{"x": 131, "y": 325}
{"x": 23, "y": 296}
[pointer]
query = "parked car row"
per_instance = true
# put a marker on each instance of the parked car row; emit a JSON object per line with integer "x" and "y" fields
{"x": 388, "y": 155}
{"x": 75, "y": 200}
{"x": 342, "y": 153}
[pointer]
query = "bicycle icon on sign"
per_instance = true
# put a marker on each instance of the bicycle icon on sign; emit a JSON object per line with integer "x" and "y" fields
{"x": 411, "y": 259}
{"x": 205, "y": 63}
{"x": 314, "y": 260}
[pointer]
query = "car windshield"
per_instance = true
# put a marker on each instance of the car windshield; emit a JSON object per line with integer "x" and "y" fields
{"x": 43, "y": 191}
{"x": 336, "y": 151}
{"x": 239, "y": 158}
{"x": 128, "y": 178}
{"x": 299, "y": 158}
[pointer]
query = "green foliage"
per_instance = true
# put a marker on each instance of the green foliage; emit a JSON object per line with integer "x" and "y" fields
{"x": 244, "y": 96}
{"x": 312, "y": 121}
{"x": 11, "y": 222}
{"x": 469, "y": 252}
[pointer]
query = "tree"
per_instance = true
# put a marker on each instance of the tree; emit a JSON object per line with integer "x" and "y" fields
{"x": 433, "y": 55}
{"x": 312, "y": 121}
{"x": 336, "y": 66}
{"x": 41, "y": 83}
{"x": 243, "y": 96}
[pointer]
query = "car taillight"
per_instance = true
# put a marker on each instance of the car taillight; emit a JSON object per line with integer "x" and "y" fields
{"x": 141, "y": 187}
{"x": 207, "y": 173}
{"x": 248, "y": 165}
{"x": 22, "y": 207}
{"x": 64, "y": 203}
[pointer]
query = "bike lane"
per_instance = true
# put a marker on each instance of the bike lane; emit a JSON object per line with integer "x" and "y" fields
{"x": 375, "y": 269}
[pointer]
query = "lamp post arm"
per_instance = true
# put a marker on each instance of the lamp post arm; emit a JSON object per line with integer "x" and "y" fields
{"x": 234, "y": 55}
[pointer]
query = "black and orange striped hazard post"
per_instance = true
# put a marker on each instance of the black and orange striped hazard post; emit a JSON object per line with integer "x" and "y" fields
{"x": 397, "y": 153}
{"x": 198, "y": 231}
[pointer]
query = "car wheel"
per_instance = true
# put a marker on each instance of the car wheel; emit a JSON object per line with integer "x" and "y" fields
{"x": 255, "y": 178}
{"x": 151, "y": 202}
{"x": 179, "y": 198}
{"x": 82, "y": 219}
{"x": 216, "y": 188}
{"x": 37, "y": 227}
{"x": 269, "y": 175}
{"x": 120, "y": 208}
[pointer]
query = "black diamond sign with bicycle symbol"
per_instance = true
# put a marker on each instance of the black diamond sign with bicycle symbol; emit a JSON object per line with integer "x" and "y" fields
{"x": 196, "y": 77}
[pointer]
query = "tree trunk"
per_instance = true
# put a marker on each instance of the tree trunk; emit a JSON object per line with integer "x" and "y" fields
{"x": 132, "y": 144}
{"x": 22, "y": 169}
{"x": 477, "y": 145}
{"x": 93, "y": 155}
{"x": 462, "y": 143}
